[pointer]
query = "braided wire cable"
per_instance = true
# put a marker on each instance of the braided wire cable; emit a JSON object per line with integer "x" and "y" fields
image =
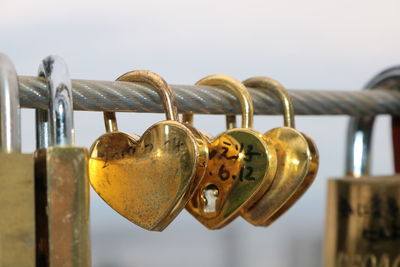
{"x": 137, "y": 97}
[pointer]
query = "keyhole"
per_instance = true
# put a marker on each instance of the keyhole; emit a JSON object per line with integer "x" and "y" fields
{"x": 210, "y": 195}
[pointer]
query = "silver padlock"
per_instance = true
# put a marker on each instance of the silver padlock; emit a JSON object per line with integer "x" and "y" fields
{"x": 61, "y": 177}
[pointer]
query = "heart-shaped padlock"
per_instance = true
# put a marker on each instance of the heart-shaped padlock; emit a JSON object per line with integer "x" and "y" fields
{"x": 148, "y": 180}
{"x": 297, "y": 161}
{"x": 240, "y": 169}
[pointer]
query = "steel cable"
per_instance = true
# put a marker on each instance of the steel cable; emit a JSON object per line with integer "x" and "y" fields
{"x": 135, "y": 97}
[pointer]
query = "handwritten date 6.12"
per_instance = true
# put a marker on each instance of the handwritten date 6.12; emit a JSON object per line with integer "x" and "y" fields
{"x": 224, "y": 174}
{"x": 242, "y": 152}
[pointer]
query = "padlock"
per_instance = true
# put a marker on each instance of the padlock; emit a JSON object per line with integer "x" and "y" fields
{"x": 61, "y": 178}
{"x": 297, "y": 161}
{"x": 363, "y": 212}
{"x": 241, "y": 167}
{"x": 17, "y": 208}
{"x": 148, "y": 180}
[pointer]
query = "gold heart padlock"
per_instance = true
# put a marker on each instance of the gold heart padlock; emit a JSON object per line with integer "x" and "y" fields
{"x": 240, "y": 169}
{"x": 148, "y": 180}
{"x": 297, "y": 161}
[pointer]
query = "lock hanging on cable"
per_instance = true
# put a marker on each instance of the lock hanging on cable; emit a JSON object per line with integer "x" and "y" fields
{"x": 61, "y": 177}
{"x": 17, "y": 207}
{"x": 241, "y": 168}
{"x": 148, "y": 180}
{"x": 297, "y": 161}
{"x": 363, "y": 212}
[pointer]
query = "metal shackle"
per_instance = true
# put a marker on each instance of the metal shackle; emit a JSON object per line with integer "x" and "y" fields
{"x": 241, "y": 93}
{"x": 279, "y": 91}
{"x": 54, "y": 127}
{"x": 157, "y": 82}
{"x": 358, "y": 156}
{"x": 10, "y": 116}
{"x": 275, "y": 88}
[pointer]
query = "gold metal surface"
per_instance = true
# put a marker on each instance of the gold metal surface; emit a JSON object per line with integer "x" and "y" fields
{"x": 241, "y": 165}
{"x": 293, "y": 164}
{"x": 363, "y": 222}
{"x": 62, "y": 207}
{"x": 302, "y": 188}
{"x": 297, "y": 162}
{"x": 309, "y": 179}
{"x": 146, "y": 181}
{"x": 17, "y": 209}
{"x": 149, "y": 180}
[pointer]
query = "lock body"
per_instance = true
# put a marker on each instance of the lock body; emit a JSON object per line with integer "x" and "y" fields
{"x": 62, "y": 191}
{"x": 17, "y": 209}
{"x": 363, "y": 222}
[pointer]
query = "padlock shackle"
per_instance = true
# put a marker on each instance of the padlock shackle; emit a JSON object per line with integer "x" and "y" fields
{"x": 358, "y": 147}
{"x": 55, "y": 127}
{"x": 163, "y": 89}
{"x": 275, "y": 88}
{"x": 239, "y": 90}
{"x": 187, "y": 117}
{"x": 278, "y": 90}
{"x": 10, "y": 114}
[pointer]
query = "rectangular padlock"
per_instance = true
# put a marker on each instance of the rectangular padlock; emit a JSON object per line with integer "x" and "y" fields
{"x": 61, "y": 175}
{"x": 62, "y": 185}
{"x": 363, "y": 222}
{"x": 17, "y": 207}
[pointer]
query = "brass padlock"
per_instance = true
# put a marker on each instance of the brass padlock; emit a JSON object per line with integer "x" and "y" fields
{"x": 363, "y": 212}
{"x": 241, "y": 167}
{"x": 61, "y": 180}
{"x": 148, "y": 180}
{"x": 17, "y": 208}
{"x": 297, "y": 157}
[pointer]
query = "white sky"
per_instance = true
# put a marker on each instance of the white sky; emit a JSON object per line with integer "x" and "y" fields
{"x": 312, "y": 44}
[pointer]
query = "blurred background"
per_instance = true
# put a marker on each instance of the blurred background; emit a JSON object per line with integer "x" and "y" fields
{"x": 308, "y": 44}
